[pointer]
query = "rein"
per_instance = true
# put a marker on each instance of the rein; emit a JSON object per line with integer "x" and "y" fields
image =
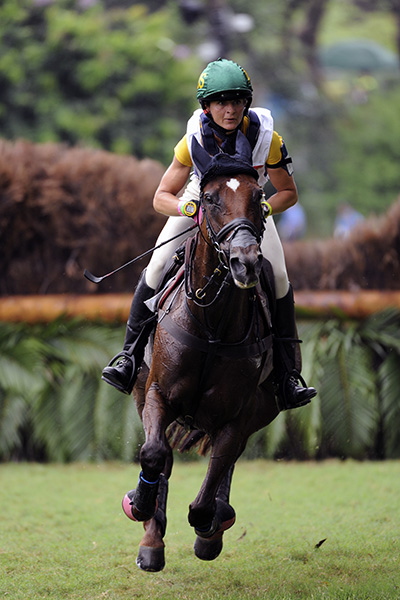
{"x": 198, "y": 296}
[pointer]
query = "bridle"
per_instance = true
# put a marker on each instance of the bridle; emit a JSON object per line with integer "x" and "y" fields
{"x": 227, "y": 233}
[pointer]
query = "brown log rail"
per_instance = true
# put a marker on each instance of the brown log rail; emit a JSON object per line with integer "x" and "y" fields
{"x": 115, "y": 307}
{"x": 343, "y": 304}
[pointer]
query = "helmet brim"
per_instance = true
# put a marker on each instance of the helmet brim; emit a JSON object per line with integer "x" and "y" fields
{"x": 227, "y": 95}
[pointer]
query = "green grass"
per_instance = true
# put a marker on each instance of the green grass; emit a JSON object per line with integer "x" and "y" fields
{"x": 63, "y": 534}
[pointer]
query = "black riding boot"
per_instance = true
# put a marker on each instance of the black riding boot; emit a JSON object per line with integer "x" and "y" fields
{"x": 123, "y": 374}
{"x": 290, "y": 393}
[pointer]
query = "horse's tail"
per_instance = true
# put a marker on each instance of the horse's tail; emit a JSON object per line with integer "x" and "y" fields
{"x": 179, "y": 438}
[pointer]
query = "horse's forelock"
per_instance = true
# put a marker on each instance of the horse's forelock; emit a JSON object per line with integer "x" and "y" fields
{"x": 227, "y": 169}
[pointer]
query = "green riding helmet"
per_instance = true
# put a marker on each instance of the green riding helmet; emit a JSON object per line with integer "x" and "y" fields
{"x": 223, "y": 80}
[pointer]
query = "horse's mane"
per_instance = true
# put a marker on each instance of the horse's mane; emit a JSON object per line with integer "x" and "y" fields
{"x": 227, "y": 166}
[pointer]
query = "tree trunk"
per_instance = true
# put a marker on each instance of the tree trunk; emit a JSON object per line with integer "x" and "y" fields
{"x": 314, "y": 15}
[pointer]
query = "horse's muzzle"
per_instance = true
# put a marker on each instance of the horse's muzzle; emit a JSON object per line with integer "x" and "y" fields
{"x": 245, "y": 265}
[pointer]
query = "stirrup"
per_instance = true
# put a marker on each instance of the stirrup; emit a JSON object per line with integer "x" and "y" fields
{"x": 127, "y": 388}
{"x": 280, "y": 392}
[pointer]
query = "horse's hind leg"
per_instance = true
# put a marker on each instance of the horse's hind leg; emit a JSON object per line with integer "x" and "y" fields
{"x": 209, "y": 547}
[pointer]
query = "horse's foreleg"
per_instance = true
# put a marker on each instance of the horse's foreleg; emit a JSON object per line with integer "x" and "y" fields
{"x": 226, "y": 449}
{"x": 153, "y": 456}
{"x": 224, "y": 489}
{"x": 210, "y": 513}
{"x": 208, "y": 545}
{"x": 151, "y": 555}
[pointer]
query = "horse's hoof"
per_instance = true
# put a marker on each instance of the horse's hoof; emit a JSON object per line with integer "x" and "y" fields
{"x": 208, "y": 545}
{"x": 131, "y": 511}
{"x": 208, "y": 549}
{"x": 150, "y": 559}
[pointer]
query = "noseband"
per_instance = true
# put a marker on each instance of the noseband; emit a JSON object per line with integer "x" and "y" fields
{"x": 233, "y": 226}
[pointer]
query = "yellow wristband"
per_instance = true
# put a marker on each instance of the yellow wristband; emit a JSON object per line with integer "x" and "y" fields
{"x": 267, "y": 208}
{"x": 187, "y": 208}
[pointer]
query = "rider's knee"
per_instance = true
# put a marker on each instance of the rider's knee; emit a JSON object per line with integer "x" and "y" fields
{"x": 281, "y": 283}
{"x": 154, "y": 270}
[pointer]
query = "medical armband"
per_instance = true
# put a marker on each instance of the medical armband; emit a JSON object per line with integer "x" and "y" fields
{"x": 285, "y": 162}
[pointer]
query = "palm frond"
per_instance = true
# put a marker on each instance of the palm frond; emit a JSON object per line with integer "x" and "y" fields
{"x": 13, "y": 417}
{"x": 77, "y": 410}
{"x": 389, "y": 378}
{"x": 348, "y": 396}
{"x": 382, "y": 331}
{"x": 54, "y": 405}
{"x": 87, "y": 345}
{"x": 47, "y": 424}
{"x": 117, "y": 427}
{"x": 132, "y": 432}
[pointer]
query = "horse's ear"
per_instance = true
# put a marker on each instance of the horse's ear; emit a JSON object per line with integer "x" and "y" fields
{"x": 243, "y": 148}
{"x": 201, "y": 158}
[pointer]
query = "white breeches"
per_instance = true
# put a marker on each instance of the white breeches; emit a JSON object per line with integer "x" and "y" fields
{"x": 271, "y": 246}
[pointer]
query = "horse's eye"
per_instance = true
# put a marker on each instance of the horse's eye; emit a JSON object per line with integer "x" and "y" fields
{"x": 208, "y": 197}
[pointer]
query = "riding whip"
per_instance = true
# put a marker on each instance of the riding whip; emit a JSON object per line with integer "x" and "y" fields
{"x": 95, "y": 279}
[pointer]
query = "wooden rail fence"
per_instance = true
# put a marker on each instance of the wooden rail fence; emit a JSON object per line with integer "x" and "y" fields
{"x": 115, "y": 307}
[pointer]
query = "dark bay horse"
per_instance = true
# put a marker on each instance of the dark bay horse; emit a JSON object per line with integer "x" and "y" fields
{"x": 212, "y": 350}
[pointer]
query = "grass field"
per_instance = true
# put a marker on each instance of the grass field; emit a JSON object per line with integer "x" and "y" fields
{"x": 63, "y": 534}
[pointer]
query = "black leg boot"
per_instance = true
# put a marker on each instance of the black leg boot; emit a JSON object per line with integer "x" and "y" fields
{"x": 122, "y": 375}
{"x": 289, "y": 391}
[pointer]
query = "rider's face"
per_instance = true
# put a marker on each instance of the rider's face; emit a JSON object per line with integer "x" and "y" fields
{"x": 228, "y": 113}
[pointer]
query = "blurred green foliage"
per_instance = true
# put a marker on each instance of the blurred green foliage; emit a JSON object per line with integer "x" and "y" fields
{"x": 93, "y": 77}
{"x": 367, "y": 171}
{"x": 120, "y": 75}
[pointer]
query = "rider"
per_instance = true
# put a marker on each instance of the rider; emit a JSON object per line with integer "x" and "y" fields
{"x": 224, "y": 91}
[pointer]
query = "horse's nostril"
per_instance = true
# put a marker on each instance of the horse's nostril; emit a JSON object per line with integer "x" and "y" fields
{"x": 245, "y": 265}
{"x": 237, "y": 265}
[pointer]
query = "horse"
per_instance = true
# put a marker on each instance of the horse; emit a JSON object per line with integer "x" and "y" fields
{"x": 211, "y": 364}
